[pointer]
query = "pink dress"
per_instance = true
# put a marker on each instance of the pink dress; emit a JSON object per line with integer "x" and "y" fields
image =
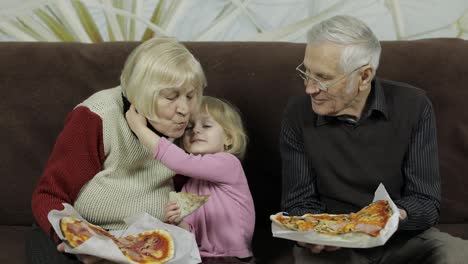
{"x": 225, "y": 224}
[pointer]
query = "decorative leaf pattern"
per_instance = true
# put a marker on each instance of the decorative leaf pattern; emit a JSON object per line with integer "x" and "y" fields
{"x": 218, "y": 20}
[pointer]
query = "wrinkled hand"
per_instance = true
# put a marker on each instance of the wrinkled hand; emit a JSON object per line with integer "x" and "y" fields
{"x": 171, "y": 212}
{"x": 135, "y": 120}
{"x": 314, "y": 248}
{"x": 86, "y": 259}
{"x": 403, "y": 214}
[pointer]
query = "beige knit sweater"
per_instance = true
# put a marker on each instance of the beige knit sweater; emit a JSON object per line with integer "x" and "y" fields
{"x": 131, "y": 181}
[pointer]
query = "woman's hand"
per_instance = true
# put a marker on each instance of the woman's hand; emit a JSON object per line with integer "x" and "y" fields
{"x": 86, "y": 259}
{"x": 137, "y": 124}
{"x": 314, "y": 248}
{"x": 171, "y": 212}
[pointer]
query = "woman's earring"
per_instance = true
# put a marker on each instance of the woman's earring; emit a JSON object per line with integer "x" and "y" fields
{"x": 226, "y": 147}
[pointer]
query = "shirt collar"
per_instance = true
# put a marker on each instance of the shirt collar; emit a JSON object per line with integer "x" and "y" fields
{"x": 375, "y": 102}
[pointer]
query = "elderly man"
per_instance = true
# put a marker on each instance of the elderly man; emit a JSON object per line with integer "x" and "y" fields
{"x": 353, "y": 131}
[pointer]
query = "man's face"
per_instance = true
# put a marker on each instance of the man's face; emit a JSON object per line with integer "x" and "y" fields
{"x": 322, "y": 62}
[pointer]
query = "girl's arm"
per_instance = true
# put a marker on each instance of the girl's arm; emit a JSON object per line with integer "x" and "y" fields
{"x": 220, "y": 167}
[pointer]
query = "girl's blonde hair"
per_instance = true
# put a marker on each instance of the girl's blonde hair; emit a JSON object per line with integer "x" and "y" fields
{"x": 229, "y": 118}
{"x": 156, "y": 64}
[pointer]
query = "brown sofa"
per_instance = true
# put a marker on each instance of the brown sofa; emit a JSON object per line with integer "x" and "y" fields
{"x": 42, "y": 82}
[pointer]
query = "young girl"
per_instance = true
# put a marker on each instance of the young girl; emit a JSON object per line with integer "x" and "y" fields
{"x": 216, "y": 139}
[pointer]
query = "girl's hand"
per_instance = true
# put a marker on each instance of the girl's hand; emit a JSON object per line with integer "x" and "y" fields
{"x": 171, "y": 213}
{"x": 135, "y": 120}
{"x": 137, "y": 124}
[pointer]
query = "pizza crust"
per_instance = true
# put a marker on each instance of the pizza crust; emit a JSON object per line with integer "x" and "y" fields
{"x": 76, "y": 231}
{"x": 187, "y": 202}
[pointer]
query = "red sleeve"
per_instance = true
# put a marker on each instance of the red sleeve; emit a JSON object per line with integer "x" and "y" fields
{"x": 77, "y": 156}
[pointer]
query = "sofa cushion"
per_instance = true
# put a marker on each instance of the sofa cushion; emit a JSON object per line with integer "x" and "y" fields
{"x": 12, "y": 243}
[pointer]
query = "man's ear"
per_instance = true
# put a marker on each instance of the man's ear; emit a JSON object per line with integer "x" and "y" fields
{"x": 366, "y": 76}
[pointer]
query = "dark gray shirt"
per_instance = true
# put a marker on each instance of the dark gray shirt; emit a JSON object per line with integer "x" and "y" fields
{"x": 333, "y": 165}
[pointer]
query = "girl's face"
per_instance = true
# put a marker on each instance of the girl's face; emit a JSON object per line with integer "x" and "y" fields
{"x": 204, "y": 135}
{"x": 174, "y": 106}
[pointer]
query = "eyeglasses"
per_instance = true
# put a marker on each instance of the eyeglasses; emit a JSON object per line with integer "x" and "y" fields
{"x": 324, "y": 86}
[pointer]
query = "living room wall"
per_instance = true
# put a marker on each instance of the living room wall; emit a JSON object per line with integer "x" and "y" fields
{"x": 222, "y": 20}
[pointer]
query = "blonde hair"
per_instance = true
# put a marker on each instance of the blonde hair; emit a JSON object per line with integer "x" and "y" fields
{"x": 156, "y": 64}
{"x": 229, "y": 118}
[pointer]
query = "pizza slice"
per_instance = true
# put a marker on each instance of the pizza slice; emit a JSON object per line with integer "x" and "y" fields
{"x": 297, "y": 223}
{"x": 372, "y": 218}
{"x": 369, "y": 220}
{"x": 151, "y": 247}
{"x": 188, "y": 202}
{"x": 321, "y": 223}
{"x": 77, "y": 231}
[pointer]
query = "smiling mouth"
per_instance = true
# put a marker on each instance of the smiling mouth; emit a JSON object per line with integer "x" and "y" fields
{"x": 318, "y": 100}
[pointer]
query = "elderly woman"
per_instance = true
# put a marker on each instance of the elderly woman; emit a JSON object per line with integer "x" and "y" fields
{"x": 99, "y": 166}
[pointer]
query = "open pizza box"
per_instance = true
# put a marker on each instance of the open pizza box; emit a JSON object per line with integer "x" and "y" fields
{"x": 186, "y": 250}
{"x": 350, "y": 240}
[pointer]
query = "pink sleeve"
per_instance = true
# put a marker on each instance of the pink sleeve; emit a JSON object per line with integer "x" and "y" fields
{"x": 218, "y": 167}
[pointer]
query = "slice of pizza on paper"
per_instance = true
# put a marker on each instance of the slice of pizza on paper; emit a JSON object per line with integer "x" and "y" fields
{"x": 188, "y": 202}
{"x": 146, "y": 240}
{"x": 371, "y": 226}
{"x": 77, "y": 231}
{"x": 150, "y": 247}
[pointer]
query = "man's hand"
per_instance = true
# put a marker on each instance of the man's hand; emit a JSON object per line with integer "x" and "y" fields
{"x": 314, "y": 248}
{"x": 403, "y": 214}
{"x": 86, "y": 259}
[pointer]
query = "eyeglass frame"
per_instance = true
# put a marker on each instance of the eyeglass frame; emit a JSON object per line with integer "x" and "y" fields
{"x": 306, "y": 77}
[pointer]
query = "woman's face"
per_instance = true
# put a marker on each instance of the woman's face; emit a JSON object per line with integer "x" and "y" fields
{"x": 174, "y": 106}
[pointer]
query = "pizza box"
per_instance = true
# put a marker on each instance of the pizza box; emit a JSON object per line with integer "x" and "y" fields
{"x": 350, "y": 240}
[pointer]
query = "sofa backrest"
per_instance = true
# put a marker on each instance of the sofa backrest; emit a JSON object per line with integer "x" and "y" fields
{"x": 42, "y": 82}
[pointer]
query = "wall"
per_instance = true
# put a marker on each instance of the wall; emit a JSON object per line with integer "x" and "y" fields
{"x": 225, "y": 20}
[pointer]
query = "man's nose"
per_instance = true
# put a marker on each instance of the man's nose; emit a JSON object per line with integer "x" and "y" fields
{"x": 311, "y": 87}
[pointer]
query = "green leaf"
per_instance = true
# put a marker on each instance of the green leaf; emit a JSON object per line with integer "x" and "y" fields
{"x": 115, "y": 34}
{"x": 137, "y": 10}
{"x": 87, "y": 21}
{"x": 13, "y": 29}
{"x": 121, "y": 20}
{"x": 57, "y": 28}
{"x": 155, "y": 19}
{"x": 34, "y": 29}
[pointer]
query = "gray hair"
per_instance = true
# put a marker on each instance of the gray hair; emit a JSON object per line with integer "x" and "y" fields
{"x": 361, "y": 45}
